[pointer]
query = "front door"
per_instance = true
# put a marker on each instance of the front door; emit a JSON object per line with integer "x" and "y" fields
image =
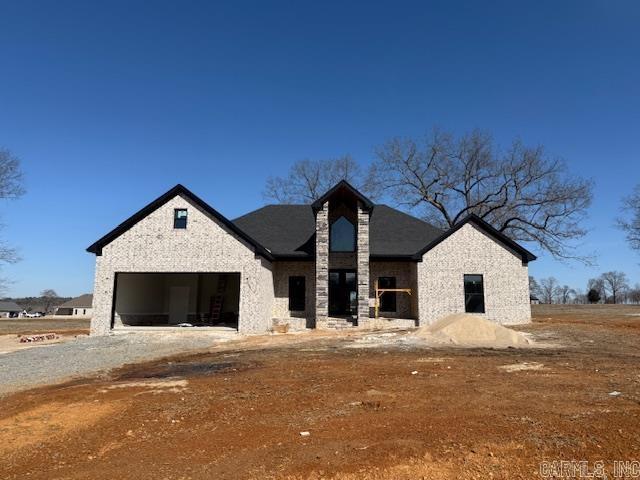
{"x": 343, "y": 295}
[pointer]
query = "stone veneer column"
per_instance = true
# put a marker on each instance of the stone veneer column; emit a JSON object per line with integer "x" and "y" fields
{"x": 363, "y": 265}
{"x": 322, "y": 265}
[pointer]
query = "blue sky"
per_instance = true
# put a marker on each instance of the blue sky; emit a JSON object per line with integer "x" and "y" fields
{"x": 109, "y": 104}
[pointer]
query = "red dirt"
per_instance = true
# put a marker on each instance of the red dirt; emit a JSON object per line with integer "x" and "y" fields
{"x": 238, "y": 413}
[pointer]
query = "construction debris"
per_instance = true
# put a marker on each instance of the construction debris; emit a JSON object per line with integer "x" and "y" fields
{"x": 38, "y": 338}
{"x": 520, "y": 367}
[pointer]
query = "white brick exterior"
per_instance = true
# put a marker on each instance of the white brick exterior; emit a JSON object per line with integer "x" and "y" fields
{"x": 153, "y": 245}
{"x": 82, "y": 312}
{"x": 470, "y": 251}
{"x": 281, "y": 273}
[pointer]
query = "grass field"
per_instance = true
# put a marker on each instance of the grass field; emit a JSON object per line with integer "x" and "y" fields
{"x": 24, "y": 326}
{"x": 601, "y": 311}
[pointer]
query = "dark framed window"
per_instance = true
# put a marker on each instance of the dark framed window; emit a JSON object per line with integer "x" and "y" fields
{"x": 297, "y": 294}
{"x": 180, "y": 218}
{"x": 342, "y": 237}
{"x": 473, "y": 294}
{"x": 388, "y": 299}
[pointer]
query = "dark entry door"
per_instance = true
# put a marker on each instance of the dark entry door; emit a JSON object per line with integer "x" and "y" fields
{"x": 343, "y": 296}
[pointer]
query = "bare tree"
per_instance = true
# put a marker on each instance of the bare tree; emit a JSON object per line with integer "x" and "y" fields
{"x": 564, "y": 294}
{"x": 10, "y": 176}
{"x": 534, "y": 287}
{"x": 521, "y": 191}
{"x": 308, "y": 180}
{"x": 630, "y": 224}
{"x": 11, "y": 187}
{"x": 634, "y": 294}
{"x": 49, "y": 296}
{"x": 580, "y": 297}
{"x": 548, "y": 289}
{"x": 615, "y": 283}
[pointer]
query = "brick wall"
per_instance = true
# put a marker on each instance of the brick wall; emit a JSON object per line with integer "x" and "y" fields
{"x": 470, "y": 251}
{"x": 406, "y": 277}
{"x": 281, "y": 273}
{"x": 153, "y": 245}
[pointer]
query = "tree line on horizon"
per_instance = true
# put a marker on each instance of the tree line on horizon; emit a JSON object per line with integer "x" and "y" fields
{"x": 609, "y": 288}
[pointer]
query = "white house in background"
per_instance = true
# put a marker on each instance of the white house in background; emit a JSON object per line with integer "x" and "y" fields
{"x": 81, "y": 306}
{"x": 9, "y": 309}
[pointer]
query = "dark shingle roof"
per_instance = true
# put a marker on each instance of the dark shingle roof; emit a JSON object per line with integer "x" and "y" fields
{"x": 6, "y": 306}
{"x": 283, "y": 229}
{"x": 83, "y": 301}
{"x": 392, "y": 232}
{"x": 288, "y": 230}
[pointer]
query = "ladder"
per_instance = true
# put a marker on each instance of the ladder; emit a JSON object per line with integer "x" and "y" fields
{"x": 215, "y": 306}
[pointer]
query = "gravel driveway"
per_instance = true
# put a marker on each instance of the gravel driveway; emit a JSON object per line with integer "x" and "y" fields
{"x": 45, "y": 365}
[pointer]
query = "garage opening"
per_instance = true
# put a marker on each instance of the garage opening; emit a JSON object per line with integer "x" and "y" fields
{"x": 177, "y": 299}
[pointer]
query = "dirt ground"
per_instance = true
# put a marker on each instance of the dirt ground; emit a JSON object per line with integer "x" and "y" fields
{"x": 11, "y": 343}
{"x": 66, "y": 330}
{"x": 239, "y": 412}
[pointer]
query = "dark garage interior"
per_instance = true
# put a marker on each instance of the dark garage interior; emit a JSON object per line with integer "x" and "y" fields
{"x": 177, "y": 299}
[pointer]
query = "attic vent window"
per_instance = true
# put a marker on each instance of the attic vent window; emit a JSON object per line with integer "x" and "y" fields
{"x": 180, "y": 218}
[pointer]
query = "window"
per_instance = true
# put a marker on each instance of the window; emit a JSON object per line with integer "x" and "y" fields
{"x": 180, "y": 218}
{"x": 84, "y": 311}
{"x": 473, "y": 294}
{"x": 296, "y": 294}
{"x": 388, "y": 299}
{"x": 342, "y": 236}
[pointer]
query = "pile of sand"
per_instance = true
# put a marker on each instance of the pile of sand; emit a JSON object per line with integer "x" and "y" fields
{"x": 472, "y": 331}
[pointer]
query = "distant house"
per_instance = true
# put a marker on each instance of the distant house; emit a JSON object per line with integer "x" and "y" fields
{"x": 534, "y": 300}
{"x": 81, "y": 306}
{"x": 9, "y": 309}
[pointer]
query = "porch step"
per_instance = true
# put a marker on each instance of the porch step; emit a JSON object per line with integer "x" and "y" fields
{"x": 338, "y": 323}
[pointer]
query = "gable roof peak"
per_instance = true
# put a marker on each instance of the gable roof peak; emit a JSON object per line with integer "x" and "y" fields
{"x": 343, "y": 185}
{"x": 485, "y": 226}
{"x": 178, "y": 189}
